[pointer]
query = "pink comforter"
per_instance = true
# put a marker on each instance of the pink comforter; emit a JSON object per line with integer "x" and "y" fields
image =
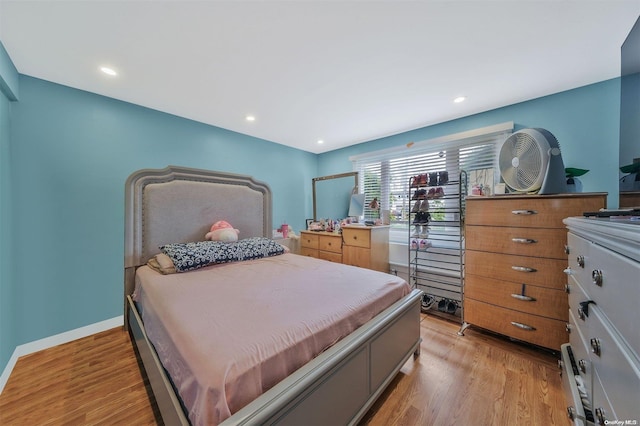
{"x": 228, "y": 333}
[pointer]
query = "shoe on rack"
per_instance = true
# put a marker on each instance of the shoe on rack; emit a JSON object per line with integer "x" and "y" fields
{"x": 452, "y": 306}
{"x": 438, "y": 193}
{"x": 442, "y": 305}
{"x": 424, "y": 206}
{"x": 432, "y": 194}
{"x": 443, "y": 178}
{"x": 417, "y": 206}
{"x": 433, "y": 179}
{"x": 425, "y": 217}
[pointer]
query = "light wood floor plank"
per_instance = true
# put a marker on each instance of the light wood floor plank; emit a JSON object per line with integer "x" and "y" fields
{"x": 476, "y": 379}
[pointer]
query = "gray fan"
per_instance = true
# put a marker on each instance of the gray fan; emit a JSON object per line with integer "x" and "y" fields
{"x": 530, "y": 162}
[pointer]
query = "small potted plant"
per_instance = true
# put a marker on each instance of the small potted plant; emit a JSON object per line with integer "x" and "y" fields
{"x": 573, "y": 183}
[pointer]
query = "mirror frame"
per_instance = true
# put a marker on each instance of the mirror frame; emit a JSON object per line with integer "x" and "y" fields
{"x": 338, "y": 176}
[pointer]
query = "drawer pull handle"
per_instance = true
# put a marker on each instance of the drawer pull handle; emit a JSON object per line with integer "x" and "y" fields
{"x": 600, "y": 416}
{"x": 596, "y": 275}
{"x": 567, "y": 250}
{"x": 524, "y": 212}
{"x": 595, "y": 346}
{"x": 571, "y": 412}
{"x": 523, "y": 269}
{"x": 524, "y": 240}
{"x": 567, "y": 328}
{"x": 583, "y": 309}
{"x": 523, "y": 326}
{"x": 580, "y": 260}
{"x": 523, "y": 297}
{"x": 582, "y": 364}
{"x": 567, "y": 288}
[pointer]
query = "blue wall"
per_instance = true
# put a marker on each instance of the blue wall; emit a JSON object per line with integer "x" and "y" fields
{"x": 586, "y": 122}
{"x": 71, "y": 154}
{"x": 8, "y": 92}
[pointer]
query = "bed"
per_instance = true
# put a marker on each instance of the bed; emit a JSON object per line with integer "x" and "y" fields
{"x": 338, "y": 382}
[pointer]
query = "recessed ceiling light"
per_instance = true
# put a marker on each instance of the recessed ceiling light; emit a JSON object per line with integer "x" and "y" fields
{"x": 250, "y": 118}
{"x": 460, "y": 99}
{"x": 320, "y": 141}
{"x": 108, "y": 71}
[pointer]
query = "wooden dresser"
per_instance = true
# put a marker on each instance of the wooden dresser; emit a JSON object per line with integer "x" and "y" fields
{"x": 363, "y": 246}
{"x": 514, "y": 262}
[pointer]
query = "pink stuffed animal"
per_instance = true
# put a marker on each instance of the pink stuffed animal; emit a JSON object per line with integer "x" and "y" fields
{"x": 222, "y": 231}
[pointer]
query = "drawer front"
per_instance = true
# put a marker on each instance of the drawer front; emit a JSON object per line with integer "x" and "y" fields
{"x": 533, "y": 212}
{"x": 309, "y": 240}
{"x": 535, "y": 300}
{"x": 356, "y": 237}
{"x": 357, "y": 256}
{"x": 580, "y": 261}
{"x": 330, "y": 256}
{"x": 330, "y": 243}
{"x": 617, "y": 294}
{"x": 577, "y": 296}
{"x": 581, "y": 353}
{"x": 548, "y": 243}
{"x": 617, "y": 369}
{"x": 572, "y": 396}
{"x": 541, "y": 331}
{"x": 306, "y": 251}
{"x": 522, "y": 269}
{"x": 602, "y": 407}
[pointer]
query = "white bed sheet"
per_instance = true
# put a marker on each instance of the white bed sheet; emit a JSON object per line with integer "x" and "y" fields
{"x": 228, "y": 333}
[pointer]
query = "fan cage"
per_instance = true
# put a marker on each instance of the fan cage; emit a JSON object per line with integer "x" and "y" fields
{"x": 523, "y": 161}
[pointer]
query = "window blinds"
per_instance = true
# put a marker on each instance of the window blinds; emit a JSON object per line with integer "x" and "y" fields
{"x": 384, "y": 175}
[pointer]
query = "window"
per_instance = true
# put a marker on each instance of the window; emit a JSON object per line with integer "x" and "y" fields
{"x": 384, "y": 175}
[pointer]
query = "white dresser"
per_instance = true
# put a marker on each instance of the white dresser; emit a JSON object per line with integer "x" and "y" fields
{"x": 601, "y": 364}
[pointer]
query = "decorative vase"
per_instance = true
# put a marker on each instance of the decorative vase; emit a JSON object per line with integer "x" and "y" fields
{"x": 574, "y": 184}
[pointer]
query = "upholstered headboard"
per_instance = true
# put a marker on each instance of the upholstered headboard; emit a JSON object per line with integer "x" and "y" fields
{"x": 179, "y": 205}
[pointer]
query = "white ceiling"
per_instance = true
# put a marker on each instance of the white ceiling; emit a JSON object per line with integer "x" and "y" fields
{"x": 341, "y": 71}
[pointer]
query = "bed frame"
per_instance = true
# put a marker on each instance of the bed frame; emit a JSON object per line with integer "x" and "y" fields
{"x": 177, "y": 204}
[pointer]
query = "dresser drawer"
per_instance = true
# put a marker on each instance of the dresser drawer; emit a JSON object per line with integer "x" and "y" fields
{"x": 530, "y": 211}
{"x": 535, "y": 300}
{"x": 330, "y": 256}
{"x": 618, "y": 291}
{"x": 581, "y": 353}
{"x": 309, "y": 240}
{"x": 577, "y": 296}
{"x": 547, "y": 243}
{"x": 575, "y": 408}
{"x": 579, "y": 258}
{"x": 617, "y": 368}
{"x": 330, "y": 243}
{"x": 522, "y": 269}
{"x": 357, "y": 237}
{"x": 311, "y": 252}
{"x": 541, "y": 331}
{"x": 603, "y": 411}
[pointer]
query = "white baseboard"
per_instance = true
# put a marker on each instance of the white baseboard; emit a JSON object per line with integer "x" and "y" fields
{"x": 58, "y": 339}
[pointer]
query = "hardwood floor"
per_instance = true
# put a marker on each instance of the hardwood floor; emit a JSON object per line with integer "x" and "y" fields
{"x": 478, "y": 379}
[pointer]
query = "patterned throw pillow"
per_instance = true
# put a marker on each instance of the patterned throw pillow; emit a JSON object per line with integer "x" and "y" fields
{"x": 189, "y": 256}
